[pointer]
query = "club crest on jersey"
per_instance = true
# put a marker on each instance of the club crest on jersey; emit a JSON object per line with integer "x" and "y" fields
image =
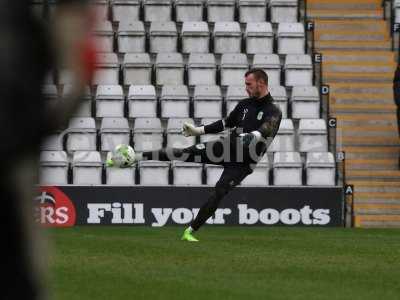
{"x": 200, "y": 146}
{"x": 260, "y": 115}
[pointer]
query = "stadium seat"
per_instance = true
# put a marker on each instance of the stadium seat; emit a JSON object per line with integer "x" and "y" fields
{"x": 142, "y": 101}
{"x": 291, "y": 38}
{"x": 175, "y": 138}
{"x": 195, "y": 37}
{"x": 107, "y": 69}
{"x": 52, "y": 142}
{"x": 298, "y": 70}
{"x": 175, "y": 101}
{"x": 207, "y": 101}
{"x": 227, "y": 37}
{"x": 121, "y": 176}
{"x": 211, "y": 136}
{"x": 271, "y": 64}
{"x": 189, "y": 10}
{"x": 220, "y": 10}
{"x": 53, "y": 168}
{"x": 320, "y": 168}
{"x": 305, "y": 102}
{"x": 213, "y": 173}
{"x": 313, "y": 135}
{"x": 154, "y": 172}
{"x": 396, "y": 7}
{"x": 147, "y": 134}
{"x": 234, "y": 94}
{"x": 163, "y": 37}
{"x": 137, "y": 69}
{"x": 233, "y": 68}
{"x": 81, "y": 135}
{"x": 259, "y": 38}
{"x": 85, "y": 107}
{"x": 260, "y": 175}
{"x": 252, "y": 11}
{"x": 65, "y": 76}
{"x": 280, "y": 97}
{"x": 202, "y": 69}
{"x": 87, "y": 168}
{"x": 103, "y": 36}
{"x": 100, "y": 8}
{"x": 109, "y": 101}
{"x": 157, "y": 10}
{"x": 285, "y": 138}
{"x": 113, "y": 132}
{"x": 50, "y": 94}
{"x": 287, "y": 169}
{"x": 185, "y": 173}
{"x": 283, "y": 11}
{"x": 169, "y": 69}
{"x": 131, "y": 37}
{"x": 125, "y": 10}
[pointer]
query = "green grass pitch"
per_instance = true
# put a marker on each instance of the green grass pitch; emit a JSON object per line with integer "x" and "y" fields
{"x": 227, "y": 263}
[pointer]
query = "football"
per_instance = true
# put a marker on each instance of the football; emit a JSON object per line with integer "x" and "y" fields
{"x": 123, "y": 156}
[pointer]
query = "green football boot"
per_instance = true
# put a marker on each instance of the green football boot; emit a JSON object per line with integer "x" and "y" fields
{"x": 187, "y": 236}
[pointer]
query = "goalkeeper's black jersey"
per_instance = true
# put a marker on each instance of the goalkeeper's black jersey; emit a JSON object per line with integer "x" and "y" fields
{"x": 249, "y": 115}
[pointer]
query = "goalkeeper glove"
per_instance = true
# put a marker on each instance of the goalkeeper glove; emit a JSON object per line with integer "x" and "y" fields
{"x": 247, "y": 138}
{"x": 191, "y": 130}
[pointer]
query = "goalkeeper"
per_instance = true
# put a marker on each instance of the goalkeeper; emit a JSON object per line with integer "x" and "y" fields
{"x": 254, "y": 123}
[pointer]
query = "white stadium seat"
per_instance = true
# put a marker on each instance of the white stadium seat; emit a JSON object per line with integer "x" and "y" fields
{"x": 320, "y": 168}
{"x": 207, "y": 101}
{"x": 163, "y": 37}
{"x": 220, "y": 10}
{"x": 227, "y": 37}
{"x": 287, "y": 169}
{"x": 103, "y": 36}
{"x": 271, "y": 64}
{"x": 153, "y": 172}
{"x": 121, "y": 176}
{"x": 113, "y": 132}
{"x": 233, "y": 68}
{"x": 137, "y": 69}
{"x": 109, "y": 101}
{"x": 131, "y": 37}
{"x": 157, "y": 10}
{"x": 53, "y": 168}
{"x": 195, "y": 37}
{"x": 175, "y": 101}
{"x": 189, "y": 10}
{"x": 280, "y": 97}
{"x": 313, "y": 135}
{"x": 259, "y": 38}
{"x": 185, "y": 173}
{"x": 147, "y": 134}
{"x": 305, "y": 102}
{"x": 125, "y": 10}
{"x": 87, "y": 168}
{"x": 285, "y": 138}
{"x": 291, "y": 38}
{"x": 298, "y": 70}
{"x": 202, "y": 69}
{"x": 142, "y": 101}
{"x": 252, "y": 11}
{"x": 283, "y": 10}
{"x": 107, "y": 69}
{"x": 82, "y": 135}
{"x": 169, "y": 69}
{"x": 175, "y": 138}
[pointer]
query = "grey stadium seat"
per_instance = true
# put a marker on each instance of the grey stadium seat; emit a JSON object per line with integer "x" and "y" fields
{"x": 157, "y": 10}
{"x": 287, "y": 168}
{"x": 202, "y": 69}
{"x": 252, "y": 11}
{"x": 320, "y": 168}
{"x": 234, "y": 94}
{"x": 298, "y": 70}
{"x": 260, "y": 175}
{"x": 211, "y": 136}
{"x": 109, "y": 101}
{"x": 82, "y": 135}
{"x": 142, "y": 101}
{"x": 175, "y": 138}
{"x": 233, "y": 68}
{"x": 163, "y": 37}
{"x": 107, "y": 69}
{"x": 175, "y": 101}
{"x": 189, "y": 10}
{"x": 125, "y": 10}
{"x": 227, "y": 37}
{"x": 137, "y": 69}
{"x": 131, "y": 37}
{"x": 169, "y": 69}
{"x": 85, "y": 108}
{"x": 207, "y": 101}
{"x": 283, "y": 11}
{"x": 52, "y": 142}
{"x": 147, "y": 134}
{"x": 285, "y": 138}
{"x": 114, "y": 131}
{"x": 53, "y": 168}
{"x": 195, "y": 37}
{"x": 213, "y": 173}
{"x": 313, "y": 135}
{"x": 121, "y": 176}
{"x": 154, "y": 172}
{"x": 259, "y": 38}
{"x": 185, "y": 173}
{"x": 100, "y": 8}
{"x": 280, "y": 97}
{"x": 305, "y": 102}
{"x": 291, "y": 38}
{"x": 87, "y": 168}
{"x": 220, "y": 10}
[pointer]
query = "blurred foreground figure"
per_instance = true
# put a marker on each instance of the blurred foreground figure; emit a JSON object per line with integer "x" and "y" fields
{"x": 27, "y": 54}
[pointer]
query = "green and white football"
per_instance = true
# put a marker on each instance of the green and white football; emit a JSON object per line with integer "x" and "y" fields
{"x": 123, "y": 156}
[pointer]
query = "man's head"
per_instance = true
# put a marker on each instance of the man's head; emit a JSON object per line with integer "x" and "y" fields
{"x": 256, "y": 81}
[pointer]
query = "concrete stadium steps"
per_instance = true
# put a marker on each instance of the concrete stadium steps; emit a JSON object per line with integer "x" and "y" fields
{"x": 340, "y": 14}
{"x": 359, "y": 99}
{"x": 364, "y": 188}
{"x": 344, "y": 4}
{"x": 358, "y": 77}
{"x": 358, "y": 57}
{"x": 382, "y": 152}
{"x": 361, "y": 107}
{"x": 371, "y": 67}
{"x": 373, "y": 175}
{"x": 372, "y": 164}
{"x": 377, "y": 221}
{"x": 342, "y": 35}
{"x": 371, "y": 119}
{"x": 362, "y": 26}
{"x": 362, "y": 88}
{"x": 353, "y": 45}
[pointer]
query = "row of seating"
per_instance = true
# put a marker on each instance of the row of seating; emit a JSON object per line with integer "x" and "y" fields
{"x": 87, "y": 169}
{"x": 188, "y": 10}
{"x": 148, "y": 134}
{"x": 201, "y": 69}
{"x": 175, "y": 101}
{"x": 195, "y": 37}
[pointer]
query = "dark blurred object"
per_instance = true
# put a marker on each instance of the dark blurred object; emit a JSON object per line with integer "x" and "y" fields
{"x": 28, "y": 51}
{"x": 396, "y": 92}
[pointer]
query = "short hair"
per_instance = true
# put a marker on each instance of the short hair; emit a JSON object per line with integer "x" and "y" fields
{"x": 258, "y": 73}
